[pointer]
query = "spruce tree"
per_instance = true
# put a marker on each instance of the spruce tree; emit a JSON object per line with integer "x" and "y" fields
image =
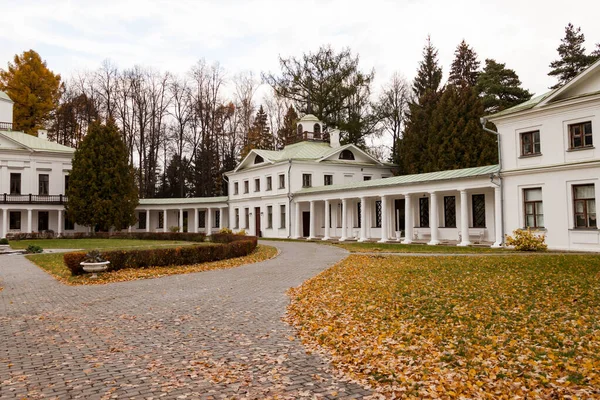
{"x": 34, "y": 89}
{"x": 429, "y": 74}
{"x": 500, "y": 87}
{"x": 573, "y": 58}
{"x": 102, "y": 192}
{"x": 286, "y": 134}
{"x": 259, "y": 135}
{"x": 465, "y": 67}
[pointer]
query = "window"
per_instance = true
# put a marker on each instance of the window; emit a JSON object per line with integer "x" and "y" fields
{"x": 70, "y": 225}
{"x": 317, "y": 131}
{"x": 530, "y": 143}
{"x": 14, "y": 220}
{"x": 478, "y": 202}
{"x": 281, "y": 181}
{"x": 306, "y": 180}
{"x": 66, "y": 183}
{"x": 237, "y": 219}
{"x": 269, "y": 217}
{"x": 330, "y": 216}
{"x": 580, "y": 135}
{"x": 584, "y": 199}
{"x": 269, "y": 183}
{"x": 142, "y": 220}
{"x": 339, "y": 214}
{"x": 257, "y": 185}
{"x": 450, "y": 211}
{"x": 378, "y": 214}
{"x": 217, "y": 219}
{"x": 424, "y": 212}
{"x": 358, "y": 213}
{"x": 161, "y": 220}
{"x": 44, "y": 184}
{"x": 328, "y": 180}
{"x": 366, "y": 178}
{"x": 246, "y": 218}
{"x": 236, "y": 188}
{"x": 346, "y": 155}
{"x": 202, "y": 219}
{"x": 43, "y": 221}
{"x": 534, "y": 211}
{"x": 282, "y": 220}
{"x": 15, "y": 184}
{"x": 246, "y": 186}
{"x": 258, "y": 159}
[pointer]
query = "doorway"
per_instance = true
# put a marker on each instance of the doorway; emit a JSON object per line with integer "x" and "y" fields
{"x": 306, "y": 223}
{"x": 257, "y": 221}
{"x": 43, "y": 217}
{"x": 400, "y": 216}
{"x": 185, "y": 221}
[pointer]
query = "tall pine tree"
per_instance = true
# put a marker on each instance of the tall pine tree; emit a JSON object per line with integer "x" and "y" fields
{"x": 500, "y": 87}
{"x": 259, "y": 135}
{"x": 465, "y": 67}
{"x": 573, "y": 58}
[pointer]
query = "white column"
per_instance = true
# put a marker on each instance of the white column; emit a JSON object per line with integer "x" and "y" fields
{"x": 208, "y": 221}
{"x": 498, "y": 217}
{"x": 196, "y": 220}
{"x": 433, "y": 219}
{"x": 4, "y": 222}
{"x": 181, "y": 220}
{"x": 29, "y": 220}
{"x": 165, "y": 225}
{"x": 147, "y": 220}
{"x": 327, "y": 217}
{"x": 363, "y": 222}
{"x": 464, "y": 218}
{"x": 59, "y": 227}
{"x": 221, "y": 217}
{"x": 313, "y": 218}
{"x": 384, "y": 219}
{"x": 408, "y": 221}
{"x": 298, "y": 221}
{"x": 344, "y": 220}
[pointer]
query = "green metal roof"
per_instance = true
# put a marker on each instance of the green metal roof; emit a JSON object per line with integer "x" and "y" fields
{"x": 297, "y": 151}
{"x": 36, "y": 144}
{"x": 406, "y": 179}
{"x": 534, "y": 101}
{"x": 4, "y": 96}
{"x": 186, "y": 200}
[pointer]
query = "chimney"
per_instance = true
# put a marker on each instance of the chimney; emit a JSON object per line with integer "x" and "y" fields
{"x": 42, "y": 134}
{"x": 334, "y": 138}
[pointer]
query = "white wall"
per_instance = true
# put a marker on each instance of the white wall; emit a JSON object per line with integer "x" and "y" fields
{"x": 6, "y": 111}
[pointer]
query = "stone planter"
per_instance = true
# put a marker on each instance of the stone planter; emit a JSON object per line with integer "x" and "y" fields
{"x": 95, "y": 267}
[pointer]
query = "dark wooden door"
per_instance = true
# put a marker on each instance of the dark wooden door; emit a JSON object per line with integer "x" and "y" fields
{"x": 399, "y": 212}
{"x": 257, "y": 221}
{"x": 43, "y": 218}
{"x": 306, "y": 223}
{"x": 185, "y": 221}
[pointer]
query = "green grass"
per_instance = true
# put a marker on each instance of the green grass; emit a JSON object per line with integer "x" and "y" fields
{"x": 90, "y": 243}
{"x": 412, "y": 248}
{"x": 460, "y": 326}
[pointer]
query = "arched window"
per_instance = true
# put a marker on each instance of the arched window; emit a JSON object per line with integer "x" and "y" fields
{"x": 346, "y": 155}
{"x": 300, "y": 129}
{"x": 258, "y": 159}
{"x": 317, "y": 129}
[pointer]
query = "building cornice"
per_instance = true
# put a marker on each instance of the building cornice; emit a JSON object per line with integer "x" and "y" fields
{"x": 551, "y": 168}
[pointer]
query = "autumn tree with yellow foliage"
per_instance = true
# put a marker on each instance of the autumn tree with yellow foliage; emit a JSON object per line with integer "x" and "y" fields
{"x": 34, "y": 89}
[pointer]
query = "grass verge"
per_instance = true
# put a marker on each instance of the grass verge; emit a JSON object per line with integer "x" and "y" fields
{"x": 87, "y": 243}
{"x": 53, "y": 264}
{"x": 468, "y": 327}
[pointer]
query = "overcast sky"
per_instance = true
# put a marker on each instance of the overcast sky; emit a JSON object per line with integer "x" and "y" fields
{"x": 250, "y": 35}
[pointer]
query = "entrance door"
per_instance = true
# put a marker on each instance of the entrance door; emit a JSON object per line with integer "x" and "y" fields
{"x": 306, "y": 223}
{"x": 257, "y": 221}
{"x": 185, "y": 221}
{"x": 399, "y": 212}
{"x": 43, "y": 221}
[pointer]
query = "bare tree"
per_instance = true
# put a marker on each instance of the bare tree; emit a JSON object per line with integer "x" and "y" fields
{"x": 392, "y": 107}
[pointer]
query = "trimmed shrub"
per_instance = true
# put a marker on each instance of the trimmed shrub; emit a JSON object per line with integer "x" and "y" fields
{"x": 33, "y": 249}
{"x": 189, "y": 255}
{"x": 184, "y": 237}
{"x": 526, "y": 240}
{"x": 4, "y": 241}
{"x": 225, "y": 230}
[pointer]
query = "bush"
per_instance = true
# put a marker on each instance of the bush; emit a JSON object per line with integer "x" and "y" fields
{"x": 226, "y": 230}
{"x": 173, "y": 229}
{"x": 526, "y": 240}
{"x": 33, "y": 249}
{"x": 163, "y": 257}
{"x": 185, "y": 237}
{"x": 4, "y": 241}
{"x": 242, "y": 232}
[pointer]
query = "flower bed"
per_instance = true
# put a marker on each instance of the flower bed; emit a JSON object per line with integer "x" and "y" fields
{"x": 231, "y": 246}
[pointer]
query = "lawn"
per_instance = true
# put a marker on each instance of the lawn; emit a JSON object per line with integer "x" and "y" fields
{"x": 53, "y": 264}
{"x": 470, "y": 327}
{"x": 355, "y": 247}
{"x": 90, "y": 243}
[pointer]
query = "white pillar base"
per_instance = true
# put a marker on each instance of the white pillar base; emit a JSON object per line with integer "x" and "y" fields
{"x": 326, "y": 238}
{"x": 433, "y": 242}
{"x": 464, "y": 244}
{"x": 361, "y": 240}
{"x": 342, "y": 239}
{"x": 382, "y": 241}
{"x": 497, "y": 245}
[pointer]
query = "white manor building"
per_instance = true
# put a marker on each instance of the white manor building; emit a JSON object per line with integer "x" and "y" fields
{"x": 548, "y": 180}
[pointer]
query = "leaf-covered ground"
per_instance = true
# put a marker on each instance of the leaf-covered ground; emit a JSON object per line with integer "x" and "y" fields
{"x": 449, "y": 327}
{"x": 368, "y": 247}
{"x": 53, "y": 264}
{"x": 91, "y": 243}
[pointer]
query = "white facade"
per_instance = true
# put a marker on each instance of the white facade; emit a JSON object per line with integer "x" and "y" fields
{"x": 6, "y": 111}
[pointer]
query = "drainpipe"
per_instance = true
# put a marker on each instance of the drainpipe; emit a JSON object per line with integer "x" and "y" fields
{"x": 483, "y": 122}
{"x": 224, "y": 177}
{"x": 290, "y": 198}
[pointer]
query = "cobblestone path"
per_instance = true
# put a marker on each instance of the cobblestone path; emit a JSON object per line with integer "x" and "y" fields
{"x": 215, "y": 334}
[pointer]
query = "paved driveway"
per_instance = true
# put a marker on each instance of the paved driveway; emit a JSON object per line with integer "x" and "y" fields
{"x": 215, "y": 334}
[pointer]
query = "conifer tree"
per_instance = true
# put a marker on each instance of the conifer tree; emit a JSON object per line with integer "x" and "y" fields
{"x": 34, "y": 89}
{"x": 465, "y": 67}
{"x": 102, "y": 192}
{"x": 429, "y": 74}
{"x": 259, "y": 135}
{"x": 286, "y": 134}
{"x": 500, "y": 87}
{"x": 573, "y": 58}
